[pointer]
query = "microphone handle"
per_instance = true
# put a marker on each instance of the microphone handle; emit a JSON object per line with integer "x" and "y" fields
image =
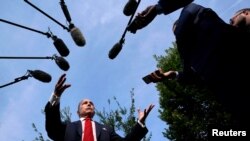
{"x": 65, "y": 11}
{"x": 126, "y": 29}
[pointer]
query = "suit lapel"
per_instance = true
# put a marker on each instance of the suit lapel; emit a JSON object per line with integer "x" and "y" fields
{"x": 79, "y": 127}
{"x": 98, "y": 129}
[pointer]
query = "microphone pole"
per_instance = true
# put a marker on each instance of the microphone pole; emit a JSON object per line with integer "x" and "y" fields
{"x": 12, "y": 57}
{"x": 60, "y": 61}
{"x": 118, "y": 46}
{"x": 16, "y": 80}
{"x": 64, "y": 27}
{"x": 31, "y": 29}
{"x": 58, "y": 43}
{"x": 75, "y": 32}
{"x": 126, "y": 29}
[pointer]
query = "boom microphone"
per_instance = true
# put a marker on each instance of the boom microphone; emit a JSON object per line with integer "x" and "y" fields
{"x": 60, "y": 46}
{"x": 74, "y": 31}
{"x": 61, "y": 62}
{"x": 115, "y": 50}
{"x": 40, "y": 75}
{"x": 130, "y": 7}
{"x": 77, "y": 35}
{"x": 118, "y": 46}
{"x": 37, "y": 74}
{"x": 58, "y": 43}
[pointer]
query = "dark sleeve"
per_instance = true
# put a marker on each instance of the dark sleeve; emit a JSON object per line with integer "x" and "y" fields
{"x": 185, "y": 33}
{"x": 168, "y": 6}
{"x": 136, "y": 134}
{"x": 196, "y": 33}
{"x": 188, "y": 76}
{"x": 53, "y": 124}
{"x": 189, "y": 16}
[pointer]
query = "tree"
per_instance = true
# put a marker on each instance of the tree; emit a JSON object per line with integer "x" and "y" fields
{"x": 190, "y": 110}
{"x": 122, "y": 118}
{"x": 40, "y": 135}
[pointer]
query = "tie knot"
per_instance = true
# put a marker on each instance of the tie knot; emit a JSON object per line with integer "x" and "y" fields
{"x": 87, "y": 118}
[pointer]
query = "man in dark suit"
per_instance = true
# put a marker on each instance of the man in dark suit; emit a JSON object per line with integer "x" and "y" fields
{"x": 204, "y": 41}
{"x": 212, "y": 51}
{"x": 74, "y": 131}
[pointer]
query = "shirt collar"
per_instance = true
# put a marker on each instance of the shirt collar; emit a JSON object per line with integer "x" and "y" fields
{"x": 83, "y": 119}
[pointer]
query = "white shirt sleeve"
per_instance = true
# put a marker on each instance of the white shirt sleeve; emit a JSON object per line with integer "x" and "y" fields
{"x": 54, "y": 100}
{"x": 142, "y": 125}
{"x": 177, "y": 74}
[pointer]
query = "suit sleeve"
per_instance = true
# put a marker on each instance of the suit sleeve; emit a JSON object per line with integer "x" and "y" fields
{"x": 136, "y": 134}
{"x": 185, "y": 33}
{"x": 168, "y": 6}
{"x": 53, "y": 124}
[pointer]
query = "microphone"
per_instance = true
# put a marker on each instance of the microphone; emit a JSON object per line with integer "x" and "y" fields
{"x": 74, "y": 31}
{"x": 130, "y": 7}
{"x": 77, "y": 35}
{"x": 65, "y": 11}
{"x": 118, "y": 46}
{"x": 61, "y": 62}
{"x": 115, "y": 50}
{"x": 37, "y": 74}
{"x": 58, "y": 43}
{"x": 60, "y": 46}
{"x": 40, "y": 75}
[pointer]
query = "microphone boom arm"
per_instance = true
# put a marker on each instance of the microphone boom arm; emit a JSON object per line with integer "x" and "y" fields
{"x": 126, "y": 29}
{"x": 8, "y": 57}
{"x": 60, "y": 61}
{"x": 31, "y": 29}
{"x": 64, "y": 27}
{"x": 16, "y": 80}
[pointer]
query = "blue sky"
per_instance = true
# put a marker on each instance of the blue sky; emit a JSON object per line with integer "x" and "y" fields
{"x": 92, "y": 74}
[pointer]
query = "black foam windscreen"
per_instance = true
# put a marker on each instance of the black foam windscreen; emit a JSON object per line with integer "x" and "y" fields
{"x": 77, "y": 36}
{"x": 40, "y": 75}
{"x": 62, "y": 63}
{"x": 61, "y": 47}
{"x": 115, "y": 50}
{"x": 130, "y": 7}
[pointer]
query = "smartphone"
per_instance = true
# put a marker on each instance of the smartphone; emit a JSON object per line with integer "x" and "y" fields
{"x": 147, "y": 79}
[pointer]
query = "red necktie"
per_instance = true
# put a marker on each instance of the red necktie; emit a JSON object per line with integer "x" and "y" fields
{"x": 88, "y": 131}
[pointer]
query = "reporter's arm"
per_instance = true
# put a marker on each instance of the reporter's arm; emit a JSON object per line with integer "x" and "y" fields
{"x": 168, "y": 6}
